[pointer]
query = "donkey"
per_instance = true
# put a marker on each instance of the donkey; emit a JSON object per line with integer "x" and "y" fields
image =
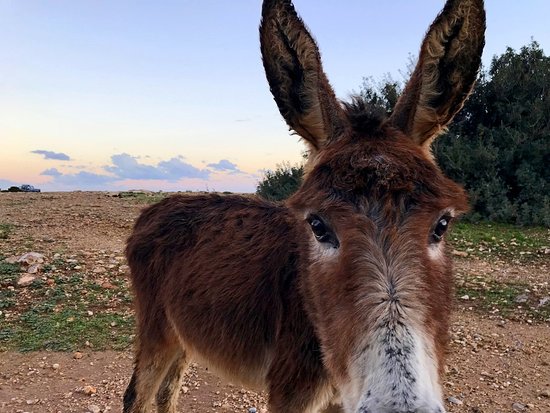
{"x": 337, "y": 299}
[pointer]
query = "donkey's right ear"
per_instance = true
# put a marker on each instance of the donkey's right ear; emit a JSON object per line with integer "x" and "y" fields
{"x": 293, "y": 68}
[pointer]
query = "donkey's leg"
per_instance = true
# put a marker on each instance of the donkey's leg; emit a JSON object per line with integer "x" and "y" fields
{"x": 301, "y": 397}
{"x": 167, "y": 396}
{"x": 130, "y": 393}
{"x": 297, "y": 380}
{"x": 152, "y": 364}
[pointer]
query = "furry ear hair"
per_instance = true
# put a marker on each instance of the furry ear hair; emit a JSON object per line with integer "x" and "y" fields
{"x": 294, "y": 71}
{"x": 445, "y": 74}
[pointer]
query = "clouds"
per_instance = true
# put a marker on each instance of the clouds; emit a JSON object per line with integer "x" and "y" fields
{"x": 51, "y": 172}
{"x": 128, "y": 167}
{"x": 177, "y": 168}
{"x": 224, "y": 165}
{"x": 58, "y": 156}
{"x": 175, "y": 173}
{"x": 79, "y": 180}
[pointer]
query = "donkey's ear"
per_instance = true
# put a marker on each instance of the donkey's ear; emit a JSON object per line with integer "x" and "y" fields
{"x": 446, "y": 71}
{"x": 293, "y": 68}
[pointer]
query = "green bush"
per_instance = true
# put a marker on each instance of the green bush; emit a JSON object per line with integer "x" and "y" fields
{"x": 499, "y": 145}
{"x": 279, "y": 184}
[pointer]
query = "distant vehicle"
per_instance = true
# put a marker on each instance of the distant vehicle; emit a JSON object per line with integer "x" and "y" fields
{"x": 29, "y": 188}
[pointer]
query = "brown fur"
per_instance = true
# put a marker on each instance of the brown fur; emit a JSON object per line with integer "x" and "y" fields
{"x": 243, "y": 285}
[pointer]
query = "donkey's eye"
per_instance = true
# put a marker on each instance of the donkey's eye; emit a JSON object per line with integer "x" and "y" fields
{"x": 321, "y": 231}
{"x": 440, "y": 228}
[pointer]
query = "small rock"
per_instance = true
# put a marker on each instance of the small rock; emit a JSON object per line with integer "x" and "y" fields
{"x": 518, "y": 407}
{"x": 93, "y": 408}
{"x": 185, "y": 389}
{"x": 543, "y": 301}
{"x": 252, "y": 410}
{"x": 522, "y": 298}
{"x": 34, "y": 268}
{"x": 89, "y": 390}
{"x": 99, "y": 270}
{"x": 78, "y": 355}
{"x": 55, "y": 366}
{"x": 12, "y": 260}
{"x": 454, "y": 400}
{"x": 459, "y": 253}
{"x": 465, "y": 297}
{"x": 545, "y": 393}
{"x": 107, "y": 285}
{"x": 25, "y": 280}
{"x": 31, "y": 258}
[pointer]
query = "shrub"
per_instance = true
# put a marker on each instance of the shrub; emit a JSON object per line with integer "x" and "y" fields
{"x": 279, "y": 184}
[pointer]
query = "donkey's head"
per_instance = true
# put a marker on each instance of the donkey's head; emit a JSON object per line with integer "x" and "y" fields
{"x": 376, "y": 207}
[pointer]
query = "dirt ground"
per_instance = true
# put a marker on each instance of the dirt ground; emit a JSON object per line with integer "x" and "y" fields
{"x": 497, "y": 363}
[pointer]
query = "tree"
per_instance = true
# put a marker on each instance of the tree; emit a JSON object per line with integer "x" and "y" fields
{"x": 499, "y": 145}
{"x": 383, "y": 94}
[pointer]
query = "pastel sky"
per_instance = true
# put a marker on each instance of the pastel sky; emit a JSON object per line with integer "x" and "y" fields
{"x": 171, "y": 95}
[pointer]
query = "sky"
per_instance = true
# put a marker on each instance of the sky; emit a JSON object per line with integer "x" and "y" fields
{"x": 171, "y": 95}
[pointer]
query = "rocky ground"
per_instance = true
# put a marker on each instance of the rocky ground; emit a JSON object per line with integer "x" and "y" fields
{"x": 66, "y": 329}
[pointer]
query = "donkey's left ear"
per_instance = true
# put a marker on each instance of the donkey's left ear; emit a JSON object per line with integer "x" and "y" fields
{"x": 293, "y": 68}
{"x": 446, "y": 71}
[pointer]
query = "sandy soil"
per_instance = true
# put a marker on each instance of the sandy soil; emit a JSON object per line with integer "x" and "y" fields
{"x": 495, "y": 364}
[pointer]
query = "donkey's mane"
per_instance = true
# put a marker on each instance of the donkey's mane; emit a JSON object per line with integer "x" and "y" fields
{"x": 364, "y": 117}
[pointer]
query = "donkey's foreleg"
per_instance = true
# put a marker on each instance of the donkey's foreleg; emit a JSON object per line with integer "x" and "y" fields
{"x": 298, "y": 382}
{"x": 167, "y": 396}
{"x": 302, "y": 397}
